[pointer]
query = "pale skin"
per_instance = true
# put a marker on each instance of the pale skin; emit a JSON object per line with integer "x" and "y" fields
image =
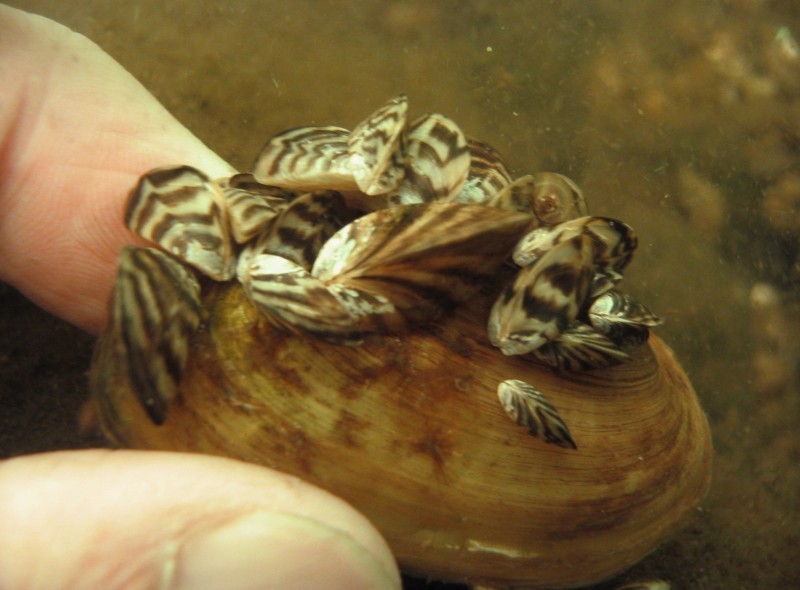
{"x": 76, "y": 130}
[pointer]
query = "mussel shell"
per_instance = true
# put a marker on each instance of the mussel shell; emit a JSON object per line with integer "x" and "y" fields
{"x": 409, "y": 430}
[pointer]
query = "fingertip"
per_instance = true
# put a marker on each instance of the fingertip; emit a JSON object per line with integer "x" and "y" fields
{"x": 269, "y": 549}
{"x": 137, "y": 519}
{"x": 76, "y": 132}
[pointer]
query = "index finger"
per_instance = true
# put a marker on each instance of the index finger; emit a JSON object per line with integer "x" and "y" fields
{"x": 76, "y": 131}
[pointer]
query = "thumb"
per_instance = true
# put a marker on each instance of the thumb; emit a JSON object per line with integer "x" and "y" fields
{"x": 137, "y": 519}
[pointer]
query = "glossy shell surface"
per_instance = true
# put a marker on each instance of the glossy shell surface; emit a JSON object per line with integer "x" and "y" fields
{"x": 409, "y": 430}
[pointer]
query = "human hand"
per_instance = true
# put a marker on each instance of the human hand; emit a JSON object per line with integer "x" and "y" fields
{"x": 76, "y": 131}
{"x": 125, "y": 520}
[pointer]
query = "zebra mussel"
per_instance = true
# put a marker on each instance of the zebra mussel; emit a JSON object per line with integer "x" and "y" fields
{"x": 448, "y": 214}
{"x": 385, "y": 261}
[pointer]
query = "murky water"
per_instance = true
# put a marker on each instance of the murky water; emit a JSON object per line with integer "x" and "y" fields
{"x": 681, "y": 119}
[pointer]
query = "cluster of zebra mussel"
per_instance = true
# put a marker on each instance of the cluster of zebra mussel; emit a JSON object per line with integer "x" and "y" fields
{"x": 343, "y": 233}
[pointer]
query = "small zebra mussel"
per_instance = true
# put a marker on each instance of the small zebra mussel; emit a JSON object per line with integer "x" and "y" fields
{"x": 344, "y": 313}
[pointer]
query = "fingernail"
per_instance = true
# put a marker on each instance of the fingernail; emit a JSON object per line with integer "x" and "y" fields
{"x": 276, "y": 550}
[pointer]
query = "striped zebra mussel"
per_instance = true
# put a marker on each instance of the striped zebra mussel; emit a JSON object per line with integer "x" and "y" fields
{"x": 448, "y": 215}
{"x": 383, "y": 261}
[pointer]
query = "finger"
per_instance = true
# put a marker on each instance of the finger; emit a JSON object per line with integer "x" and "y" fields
{"x": 76, "y": 131}
{"x": 125, "y": 520}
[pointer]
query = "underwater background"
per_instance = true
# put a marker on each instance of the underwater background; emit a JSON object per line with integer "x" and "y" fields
{"x": 680, "y": 118}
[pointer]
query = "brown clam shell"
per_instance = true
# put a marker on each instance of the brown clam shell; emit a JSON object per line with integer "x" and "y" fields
{"x": 409, "y": 430}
